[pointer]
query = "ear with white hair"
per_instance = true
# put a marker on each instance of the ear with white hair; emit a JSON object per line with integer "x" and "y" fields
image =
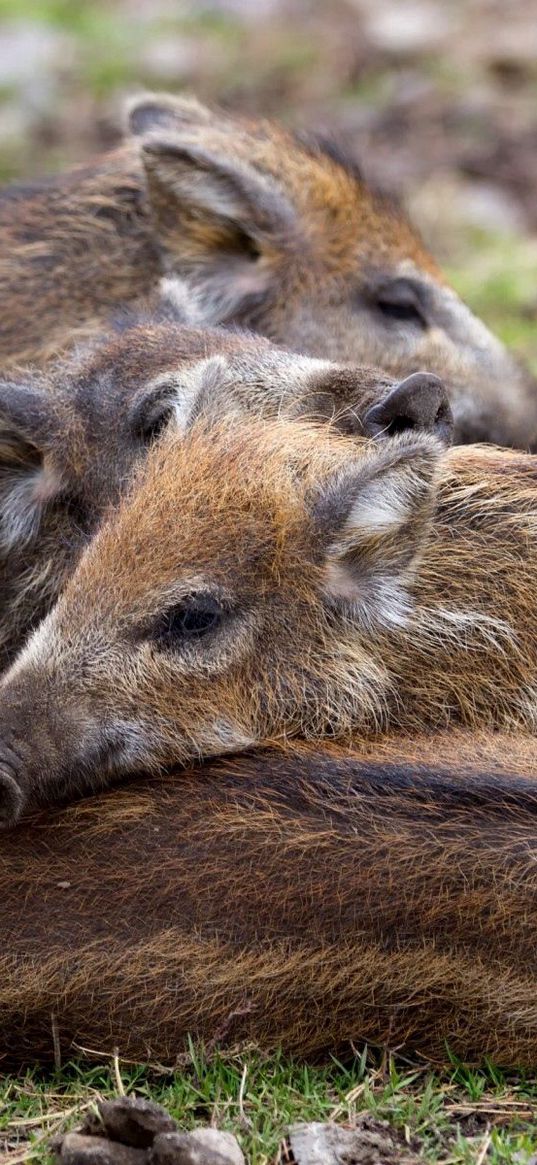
{"x": 148, "y": 112}
{"x": 27, "y": 483}
{"x": 178, "y": 399}
{"x": 373, "y": 518}
{"x": 180, "y": 303}
{"x": 214, "y": 210}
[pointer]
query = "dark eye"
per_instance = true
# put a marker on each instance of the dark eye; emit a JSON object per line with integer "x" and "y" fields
{"x": 190, "y": 619}
{"x": 401, "y": 300}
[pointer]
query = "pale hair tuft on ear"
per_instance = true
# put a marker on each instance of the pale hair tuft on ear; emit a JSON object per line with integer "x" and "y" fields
{"x": 195, "y": 391}
{"x": 374, "y": 519}
{"x": 181, "y": 302}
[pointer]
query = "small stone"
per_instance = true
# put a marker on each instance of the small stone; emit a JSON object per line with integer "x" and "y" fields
{"x": 172, "y": 59}
{"x": 372, "y": 1142}
{"x": 221, "y": 1141}
{"x": 77, "y": 1149}
{"x": 29, "y": 50}
{"x": 413, "y": 28}
{"x": 134, "y": 1120}
{"x": 205, "y": 1146}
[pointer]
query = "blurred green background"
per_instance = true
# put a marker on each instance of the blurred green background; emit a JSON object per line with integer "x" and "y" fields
{"x": 438, "y": 99}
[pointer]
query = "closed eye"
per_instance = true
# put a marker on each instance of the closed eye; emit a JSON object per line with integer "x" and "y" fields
{"x": 401, "y": 311}
{"x": 80, "y": 516}
{"x": 401, "y": 300}
{"x": 188, "y": 621}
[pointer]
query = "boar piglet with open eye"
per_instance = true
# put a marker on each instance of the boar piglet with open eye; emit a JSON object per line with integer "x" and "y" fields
{"x": 69, "y": 439}
{"x": 275, "y": 232}
{"x": 264, "y": 580}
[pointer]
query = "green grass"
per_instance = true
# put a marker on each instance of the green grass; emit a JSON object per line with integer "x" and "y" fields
{"x": 449, "y": 1117}
{"x": 498, "y": 279}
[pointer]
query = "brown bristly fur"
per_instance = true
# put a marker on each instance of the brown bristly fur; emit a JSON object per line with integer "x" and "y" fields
{"x": 358, "y": 588}
{"x": 304, "y": 898}
{"x": 271, "y": 231}
{"x": 82, "y": 243}
{"x": 70, "y": 437}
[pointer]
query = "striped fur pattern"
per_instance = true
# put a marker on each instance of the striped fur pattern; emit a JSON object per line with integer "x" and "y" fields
{"x": 302, "y": 899}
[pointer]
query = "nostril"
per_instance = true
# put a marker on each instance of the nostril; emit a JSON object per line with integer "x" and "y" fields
{"x": 400, "y": 424}
{"x": 443, "y": 424}
{"x": 11, "y": 799}
{"x": 444, "y": 411}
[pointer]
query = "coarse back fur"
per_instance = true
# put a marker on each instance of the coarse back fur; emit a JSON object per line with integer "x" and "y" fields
{"x": 303, "y": 899}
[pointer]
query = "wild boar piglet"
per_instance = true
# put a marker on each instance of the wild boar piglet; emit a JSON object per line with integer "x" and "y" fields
{"x": 275, "y": 231}
{"x": 264, "y": 580}
{"x": 69, "y": 439}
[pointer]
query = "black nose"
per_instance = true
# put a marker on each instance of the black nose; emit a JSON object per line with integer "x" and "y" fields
{"x": 418, "y": 403}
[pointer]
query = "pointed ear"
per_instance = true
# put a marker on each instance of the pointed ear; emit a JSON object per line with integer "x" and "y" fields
{"x": 148, "y": 112}
{"x": 26, "y": 484}
{"x": 25, "y": 414}
{"x": 178, "y": 400}
{"x": 374, "y": 518}
{"x": 214, "y": 210}
{"x": 228, "y": 190}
